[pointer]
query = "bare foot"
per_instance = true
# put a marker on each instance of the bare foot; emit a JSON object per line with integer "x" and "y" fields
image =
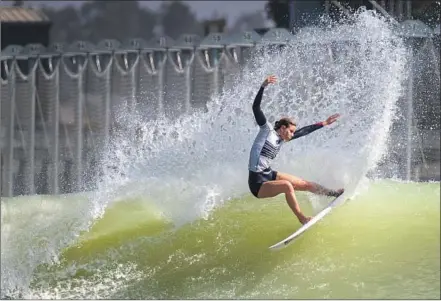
{"x": 336, "y": 193}
{"x": 340, "y": 192}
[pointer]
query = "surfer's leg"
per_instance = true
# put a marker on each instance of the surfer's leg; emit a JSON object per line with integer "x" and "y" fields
{"x": 303, "y": 185}
{"x": 272, "y": 188}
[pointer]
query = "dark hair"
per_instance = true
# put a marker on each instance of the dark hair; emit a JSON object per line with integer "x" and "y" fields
{"x": 284, "y": 121}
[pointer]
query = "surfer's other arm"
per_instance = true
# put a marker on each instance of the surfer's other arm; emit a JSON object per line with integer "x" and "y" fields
{"x": 313, "y": 127}
{"x": 258, "y": 114}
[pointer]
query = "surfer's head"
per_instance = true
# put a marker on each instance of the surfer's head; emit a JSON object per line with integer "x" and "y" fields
{"x": 285, "y": 127}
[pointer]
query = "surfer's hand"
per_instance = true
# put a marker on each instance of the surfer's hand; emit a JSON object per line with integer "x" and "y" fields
{"x": 269, "y": 80}
{"x": 331, "y": 119}
{"x": 306, "y": 219}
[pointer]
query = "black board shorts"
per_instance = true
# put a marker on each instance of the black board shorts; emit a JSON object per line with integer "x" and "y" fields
{"x": 256, "y": 179}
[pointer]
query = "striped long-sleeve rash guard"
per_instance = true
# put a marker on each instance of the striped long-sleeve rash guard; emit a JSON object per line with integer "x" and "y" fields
{"x": 267, "y": 144}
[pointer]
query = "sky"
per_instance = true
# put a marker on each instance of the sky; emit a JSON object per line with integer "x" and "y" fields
{"x": 231, "y": 10}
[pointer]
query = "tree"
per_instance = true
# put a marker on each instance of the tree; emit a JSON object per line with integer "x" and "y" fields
{"x": 178, "y": 19}
{"x": 98, "y": 20}
{"x": 427, "y": 11}
{"x": 278, "y": 11}
{"x": 18, "y": 3}
{"x": 306, "y": 12}
{"x": 118, "y": 20}
{"x": 248, "y": 22}
{"x": 66, "y": 24}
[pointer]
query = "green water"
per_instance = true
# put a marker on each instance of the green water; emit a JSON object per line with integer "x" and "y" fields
{"x": 382, "y": 244}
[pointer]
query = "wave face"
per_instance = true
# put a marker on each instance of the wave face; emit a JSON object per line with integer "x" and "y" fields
{"x": 373, "y": 247}
{"x": 188, "y": 167}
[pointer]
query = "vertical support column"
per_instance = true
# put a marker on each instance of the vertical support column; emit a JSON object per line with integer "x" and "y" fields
{"x": 188, "y": 87}
{"x": 160, "y": 72}
{"x": 134, "y": 81}
{"x": 8, "y": 178}
{"x": 435, "y": 59}
{"x": 409, "y": 121}
{"x": 30, "y": 147}
{"x": 25, "y": 104}
{"x": 107, "y": 101}
{"x": 2, "y": 142}
{"x": 291, "y": 15}
{"x": 137, "y": 78}
{"x": 78, "y": 149}
{"x": 327, "y": 6}
{"x": 399, "y": 10}
{"x": 54, "y": 186}
{"x": 214, "y": 54}
{"x": 392, "y": 7}
{"x": 408, "y": 9}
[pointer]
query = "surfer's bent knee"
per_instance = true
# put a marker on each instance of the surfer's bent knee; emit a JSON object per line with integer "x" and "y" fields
{"x": 288, "y": 187}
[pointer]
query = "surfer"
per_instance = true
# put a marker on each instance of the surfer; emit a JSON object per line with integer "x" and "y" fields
{"x": 265, "y": 182}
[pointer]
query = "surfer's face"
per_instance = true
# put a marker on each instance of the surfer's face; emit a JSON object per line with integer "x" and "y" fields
{"x": 286, "y": 132}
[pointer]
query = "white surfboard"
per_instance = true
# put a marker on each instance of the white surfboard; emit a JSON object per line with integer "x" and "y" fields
{"x": 309, "y": 224}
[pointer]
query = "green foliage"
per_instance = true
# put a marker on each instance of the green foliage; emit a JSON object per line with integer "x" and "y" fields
{"x": 18, "y": 3}
{"x": 427, "y": 11}
{"x": 278, "y": 11}
{"x": 121, "y": 20}
{"x": 178, "y": 19}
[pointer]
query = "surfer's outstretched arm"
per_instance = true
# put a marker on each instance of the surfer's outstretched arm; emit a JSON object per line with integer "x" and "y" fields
{"x": 258, "y": 114}
{"x": 307, "y": 130}
{"x": 313, "y": 127}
